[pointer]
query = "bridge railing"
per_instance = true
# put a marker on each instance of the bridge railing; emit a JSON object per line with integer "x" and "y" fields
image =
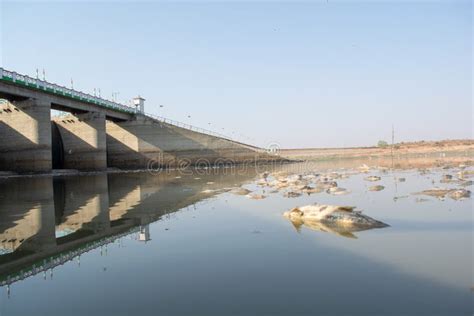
{"x": 42, "y": 85}
{"x": 188, "y": 126}
{"x": 203, "y": 131}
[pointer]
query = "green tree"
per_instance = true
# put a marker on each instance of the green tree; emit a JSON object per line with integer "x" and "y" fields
{"x": 382, "y": 144}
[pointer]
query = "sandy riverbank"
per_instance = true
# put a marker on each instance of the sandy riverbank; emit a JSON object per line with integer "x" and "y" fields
{"x": 433, "y": 149}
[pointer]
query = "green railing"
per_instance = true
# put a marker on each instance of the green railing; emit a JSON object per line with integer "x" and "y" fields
{"x": 41, "y": 85}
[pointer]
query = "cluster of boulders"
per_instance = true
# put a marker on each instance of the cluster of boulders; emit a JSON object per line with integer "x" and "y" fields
{"x": 461, "y": 178}
{"x": 296, "y": 185}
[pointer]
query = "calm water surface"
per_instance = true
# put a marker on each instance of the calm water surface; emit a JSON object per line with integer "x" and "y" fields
{"x": 142, "y": 244}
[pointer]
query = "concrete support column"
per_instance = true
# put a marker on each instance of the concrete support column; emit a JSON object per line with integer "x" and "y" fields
{"x": 25, "y": 136}
{"x": 84, "y": 141}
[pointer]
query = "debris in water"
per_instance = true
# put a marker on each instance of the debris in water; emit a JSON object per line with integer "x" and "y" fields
{"x": 372, "y": 178}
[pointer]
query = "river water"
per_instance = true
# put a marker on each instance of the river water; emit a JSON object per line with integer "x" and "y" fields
{"x": 177, "y": 243}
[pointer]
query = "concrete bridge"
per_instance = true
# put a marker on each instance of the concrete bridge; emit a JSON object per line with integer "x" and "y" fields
{"x": 99, "y": 133}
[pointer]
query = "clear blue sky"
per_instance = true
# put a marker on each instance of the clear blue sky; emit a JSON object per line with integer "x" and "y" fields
{"x": 309, "y": 74}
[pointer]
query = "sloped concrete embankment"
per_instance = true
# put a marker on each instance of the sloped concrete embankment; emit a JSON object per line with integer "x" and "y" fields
{"x": 145, "y": 142}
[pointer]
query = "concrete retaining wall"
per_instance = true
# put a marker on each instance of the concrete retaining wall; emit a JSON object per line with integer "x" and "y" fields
{"x": 145, "y": 142}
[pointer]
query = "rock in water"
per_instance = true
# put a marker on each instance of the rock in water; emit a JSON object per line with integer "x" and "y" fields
{"x": 337, "y": 191}
{"x": 436, "y": 192}
{"x": 341, "y": 220}
{"x": 466, "y": 183}
{"x": 446, "y": 178}
{"x": 240, "y": 191}
{"x": 327, "y": 184}
{"x": 311, "y": 190}
{"x": 372, "y": 178}
{"x": 459, "y": 194}
{"x": 256, "y": 196}
{"x": 292, "y": 194}
{"x": 376, "y": 188}
{"x": 455, "y": 194}
{"x": 342, "y": 215}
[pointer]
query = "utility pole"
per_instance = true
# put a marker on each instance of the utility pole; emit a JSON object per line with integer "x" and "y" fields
{"x": 393, "y": 135}
{"x": 393, "y": 141}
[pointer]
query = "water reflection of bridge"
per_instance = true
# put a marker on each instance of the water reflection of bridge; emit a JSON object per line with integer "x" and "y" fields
{"x": 45, "y": 222}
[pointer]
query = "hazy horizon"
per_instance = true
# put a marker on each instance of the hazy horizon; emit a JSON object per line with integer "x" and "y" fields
{"x": 307, "y": 75}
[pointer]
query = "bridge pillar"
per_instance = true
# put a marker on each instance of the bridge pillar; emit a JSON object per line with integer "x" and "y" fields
{"x": 83, "y": 140}
{"x": 25, "y": 136}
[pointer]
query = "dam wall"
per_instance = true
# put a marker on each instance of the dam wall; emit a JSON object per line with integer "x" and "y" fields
{"x": 146, "y": 142}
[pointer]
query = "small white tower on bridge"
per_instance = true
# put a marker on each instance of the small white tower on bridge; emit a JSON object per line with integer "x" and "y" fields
{"x": 139, "y": 103}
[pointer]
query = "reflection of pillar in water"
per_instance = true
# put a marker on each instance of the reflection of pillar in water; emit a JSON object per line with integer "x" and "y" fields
{"x": 26, "y": 214}
{"x": 95, "y": 214}
{"x": 144, "y": 234}
{"x": 86, "y": 205}
{"x": 45, "y": 229}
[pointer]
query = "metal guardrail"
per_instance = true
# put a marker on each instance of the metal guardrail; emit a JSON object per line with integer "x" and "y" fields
{"x": 188, "y": 126}
{"x": 44, "y": 86}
